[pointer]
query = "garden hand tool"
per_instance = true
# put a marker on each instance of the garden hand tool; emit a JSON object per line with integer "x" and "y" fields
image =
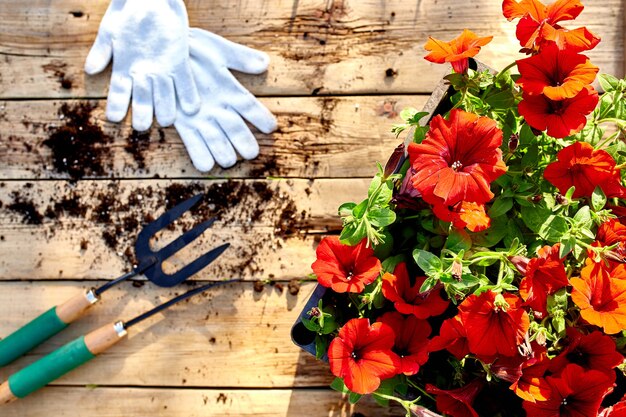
{"x": 78, "y": 352}
{"x": 218, "y": 129}
{"x": 148, "y": 43}
{"x": 149, "y": 263}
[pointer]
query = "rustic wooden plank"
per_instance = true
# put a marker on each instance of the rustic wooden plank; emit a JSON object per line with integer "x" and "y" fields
{"x": 316, "y": 137}
{"x": 53, "y": 229}
{"x": 231, "y": 336}
{"x": 115, "y": 402}
{"x": 316, "y": 46}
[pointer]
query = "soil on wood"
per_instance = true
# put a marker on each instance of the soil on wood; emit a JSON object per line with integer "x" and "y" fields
{"x": 79, "y": 147}
{"x": 240, "y": 205}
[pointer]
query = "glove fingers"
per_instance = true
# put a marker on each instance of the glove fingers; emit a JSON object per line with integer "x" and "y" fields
{"x": 196, "y": 147}
{"x": 120, "y": 90}
{"x": 186, "y": 90}
{"x": 238, "y": 133}
{"x": 142, "y": 104}
{"x": 219, "y": 145}
{"x": 164, "y": 100}
{"x": 245, "y": 103}
{"x": 99, "y": 55}
{"x": 203, "y": 45}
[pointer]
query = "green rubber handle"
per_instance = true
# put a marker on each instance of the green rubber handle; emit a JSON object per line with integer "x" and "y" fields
{"x": 49, "y": 368}
{"x": 32, "y": 334}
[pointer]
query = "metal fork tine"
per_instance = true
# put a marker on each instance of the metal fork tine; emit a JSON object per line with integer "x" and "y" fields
{"x": 184, "y": 240}
{"x": 167, "y": 218}
{"x": 158, "y": 276}
{"x": 195, "y": 266}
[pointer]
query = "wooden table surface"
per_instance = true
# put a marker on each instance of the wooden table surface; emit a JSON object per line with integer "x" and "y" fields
{"x": 340, "y": 72}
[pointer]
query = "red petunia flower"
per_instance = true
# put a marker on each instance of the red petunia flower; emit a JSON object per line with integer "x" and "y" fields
{"x": 457, "y": 402}
{"x": 495, "y": 324}
{"x": 601, "y": 296}
{"x": 453, "y": 337}
{"x": 407, "y": 299}
{"x": 361, "y": 355}
{"x": 574, "y": 393}
{"x": 545, "y": 275}
{"x": 457, "y": 52}
{"x": 345, "y": 268}
{"x": 556, "y": 74}
{"x": 411, "y": 343}
{"x": 464, "y": 214}
{"x": 458, "y": 160}
{"x": 560, "y": 118}
{"x": 595, "y": 351}
{"x": 610, "y": 233}
{"x": 538, "y": 24}
{"x": 582, "y": 166}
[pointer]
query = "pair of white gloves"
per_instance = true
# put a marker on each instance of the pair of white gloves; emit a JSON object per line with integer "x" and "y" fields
{"x": 181, "y": 76}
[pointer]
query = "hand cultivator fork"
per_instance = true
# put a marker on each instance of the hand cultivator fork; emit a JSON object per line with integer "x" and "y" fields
{"x": 87, "y": 347}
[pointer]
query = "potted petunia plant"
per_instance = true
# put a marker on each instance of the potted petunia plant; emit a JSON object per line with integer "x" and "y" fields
{"x": 485, "y": 272}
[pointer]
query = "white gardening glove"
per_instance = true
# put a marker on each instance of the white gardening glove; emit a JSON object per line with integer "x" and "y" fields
{"x": 218, "y": 129}
{"x": 148, "y": 41}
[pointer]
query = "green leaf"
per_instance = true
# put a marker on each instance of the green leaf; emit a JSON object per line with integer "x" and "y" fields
{"x": 531, "y": 157}
{"x": 458, "y": 240}
{"x": 598, "y": 199}
{"x": 354, "y": 398}
{"x": 389, "y": 264}
{"x": 359, "y": 210}
{"x": 321, "y": 346}
{"x": 311, "y": 325}
{"x": 608, "y": 82}
{"x": 570, "y": 193}
{"x": 535, "y": 216}
{"x": 554, "y": 228}
{"x": 346, "y": 209}
{"x": 417, "y": 117}
{"x": 567, "y": 245}
{"x": 339, "y": 385}
{"x": 381, "y": 217}
{"x": 429, "y": 263}
{"x": 383, "y": 250}
{"x": 500, "y": 206}
{"x": 513, "y": 233}
{"x": 583, "y": 216}
{"x": 353, "y": 233}
{"x": 407, "y": 113}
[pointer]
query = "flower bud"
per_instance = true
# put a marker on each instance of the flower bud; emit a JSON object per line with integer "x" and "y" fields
{"x": 513, "y": 142}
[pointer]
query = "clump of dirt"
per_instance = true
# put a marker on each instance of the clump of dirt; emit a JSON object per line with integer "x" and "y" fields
{"x": 26, "y": 208}
{"x": 79, "y": 147}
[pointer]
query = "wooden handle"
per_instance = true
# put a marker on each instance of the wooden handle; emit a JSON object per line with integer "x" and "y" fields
{"x": 6, "y": 396}
{"x": 76, "y": 306}
{"x": 103, "y": 338}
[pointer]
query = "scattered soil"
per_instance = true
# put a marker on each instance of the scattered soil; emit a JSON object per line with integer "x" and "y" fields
{"x": 239, "y": 204}
{"x": 136, "y": 144}
{"x": 79, "y": 147}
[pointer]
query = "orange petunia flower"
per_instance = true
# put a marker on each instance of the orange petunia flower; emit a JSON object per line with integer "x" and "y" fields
{"x": 458, "y": 160}
{"x": 545, "y": 275}
{"x": 408, "y": 299}
{"x": 601, "y": 296}
{"x": 345, "y": 268}
{"x": 610, "y": 233}
{"x": 560, "y": 118}
{"x": 532, "y": 385}
{"x": 361, "y": 355}
{"x": 492, "y": 326}
{"x": 457, "y": 52}
{"x": 538, "y": 24}
{"x": 464, "y": 214}
{"x": 584, "y": 167}
{"x": 556, "y": 74}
